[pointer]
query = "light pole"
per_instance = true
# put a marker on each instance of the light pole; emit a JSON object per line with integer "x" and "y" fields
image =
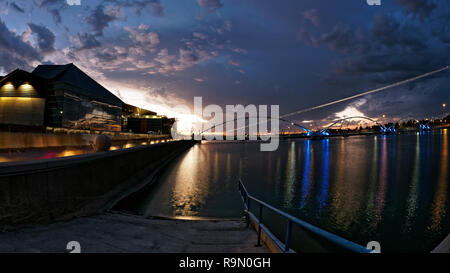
{"x": 444, "y": 108}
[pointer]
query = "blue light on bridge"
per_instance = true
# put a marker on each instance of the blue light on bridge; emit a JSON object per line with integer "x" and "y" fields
{"x": 424, "y": 127}
{"x": 387, "y": 131}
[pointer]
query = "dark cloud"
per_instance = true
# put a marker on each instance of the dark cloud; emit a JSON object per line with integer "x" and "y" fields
{"x": 15, "y": 53}
{"x": 389, "y": 46}
{"x": 87, "y": 41}
{"x": 210, "y": 5}
{"x": 421, "y": 8}
{"x": 139, "y": 6}
{"x": 101, "y": 17}
{"x": 45, "y": 3}
{"x": 53, "y": 7}
{"x": 45, "y": 38}
{"x": 16, "y": 7}
{"x": 389, "y": 49}
{"x": 56, "y": 15}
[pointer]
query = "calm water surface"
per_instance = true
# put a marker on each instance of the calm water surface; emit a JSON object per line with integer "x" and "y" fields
{"x": 392, "y": 189}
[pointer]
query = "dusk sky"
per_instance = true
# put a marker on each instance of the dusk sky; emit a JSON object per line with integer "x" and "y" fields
{"x": 160, "y": 53}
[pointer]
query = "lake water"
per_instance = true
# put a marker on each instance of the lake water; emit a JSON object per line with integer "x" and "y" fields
{"x": 391, "y": 189}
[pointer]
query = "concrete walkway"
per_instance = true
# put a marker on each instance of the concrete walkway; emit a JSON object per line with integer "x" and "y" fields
{"x": 443, "y": 247}
{"x": 116, "y": 233}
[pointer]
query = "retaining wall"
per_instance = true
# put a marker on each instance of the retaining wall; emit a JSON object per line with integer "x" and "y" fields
{"x": 56, "y": 189}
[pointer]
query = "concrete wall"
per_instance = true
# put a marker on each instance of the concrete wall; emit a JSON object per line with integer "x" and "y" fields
{"x": 10, "y": 140}
{"x": 57, "y": 189}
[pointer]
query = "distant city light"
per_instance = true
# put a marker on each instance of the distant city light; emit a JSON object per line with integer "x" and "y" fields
{"x": 444, "y": 105}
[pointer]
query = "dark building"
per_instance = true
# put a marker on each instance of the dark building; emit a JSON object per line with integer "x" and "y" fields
{"x": 76, "y": 101}
{"x": 60, "y": 96}
{"x": 22, "y": 101}
{"x": 63, "y": 96}
{"x": 142, "y": 121}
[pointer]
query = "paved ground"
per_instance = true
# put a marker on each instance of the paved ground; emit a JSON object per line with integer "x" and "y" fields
{"x": 116, "y": 233}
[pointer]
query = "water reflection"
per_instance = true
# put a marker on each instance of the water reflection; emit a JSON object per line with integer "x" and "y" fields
{"x": 291, "y": 175}
{"x": 307, "y": 172}
{"x": 383, "y": 180}
{"x": 188, "y": 193}
{"x": 324, "y": 184}
{"x": 413, "y": 189}
{"x": 440, "y": 198}
{"x": 336, "y": 193}
{"x": 391, "y": 189}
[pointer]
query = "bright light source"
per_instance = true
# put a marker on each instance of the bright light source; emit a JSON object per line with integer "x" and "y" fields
{"x": 26, "y": 87}
{"x": 444, "y": 105}
{"x": 8, "y": 87}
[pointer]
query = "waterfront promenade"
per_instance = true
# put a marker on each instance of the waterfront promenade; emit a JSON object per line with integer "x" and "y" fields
{"x": 118, "y": 233}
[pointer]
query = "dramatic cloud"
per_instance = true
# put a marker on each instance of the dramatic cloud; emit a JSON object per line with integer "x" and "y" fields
{"x": 393, "y": 48}
{"x": 101, "y": 17}
{"x": 142, "y": 37}
{"x": 45, "y": 38}
{"x": 15, "y": 53}
{"x": 389, "y": 46}
{"x": 248, "y": 54}
{"x": 85, "y": 41}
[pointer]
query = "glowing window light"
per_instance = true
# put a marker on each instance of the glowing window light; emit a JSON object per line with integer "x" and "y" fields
{"x": 8, "y": 87}
{"x": 26, "y": 87}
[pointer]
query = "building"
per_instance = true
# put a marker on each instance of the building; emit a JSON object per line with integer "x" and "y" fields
{"x": 76, "y": 101}
{"x": 22, "y": 102}
{"x": 63, "y": 96}
{"x": 142, "y": 121}
{"x": 59, "y": 96}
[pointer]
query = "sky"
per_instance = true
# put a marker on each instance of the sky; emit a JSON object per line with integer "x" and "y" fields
{"x": 297, "y": 54}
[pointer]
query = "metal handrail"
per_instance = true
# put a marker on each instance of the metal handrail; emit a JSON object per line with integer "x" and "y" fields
{"x": 341, "y": 242}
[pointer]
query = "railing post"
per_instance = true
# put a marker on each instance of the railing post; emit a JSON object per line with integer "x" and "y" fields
{"x": 287, "y": 242}
{"x": 248, "y": 210}
{"x": 259, "y": 224}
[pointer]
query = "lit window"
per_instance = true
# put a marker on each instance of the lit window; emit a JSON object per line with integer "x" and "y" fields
{"x": 8, "y": 87}
{"x": 26, "y": 87}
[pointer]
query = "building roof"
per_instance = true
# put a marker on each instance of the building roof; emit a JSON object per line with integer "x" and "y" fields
{"x": 71, "y": 74}
{"x": 21, "y": 74}
{"x": 129, "y": 110}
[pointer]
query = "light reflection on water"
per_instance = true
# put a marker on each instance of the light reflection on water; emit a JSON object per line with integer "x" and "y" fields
{"x": 391, "y": 189}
